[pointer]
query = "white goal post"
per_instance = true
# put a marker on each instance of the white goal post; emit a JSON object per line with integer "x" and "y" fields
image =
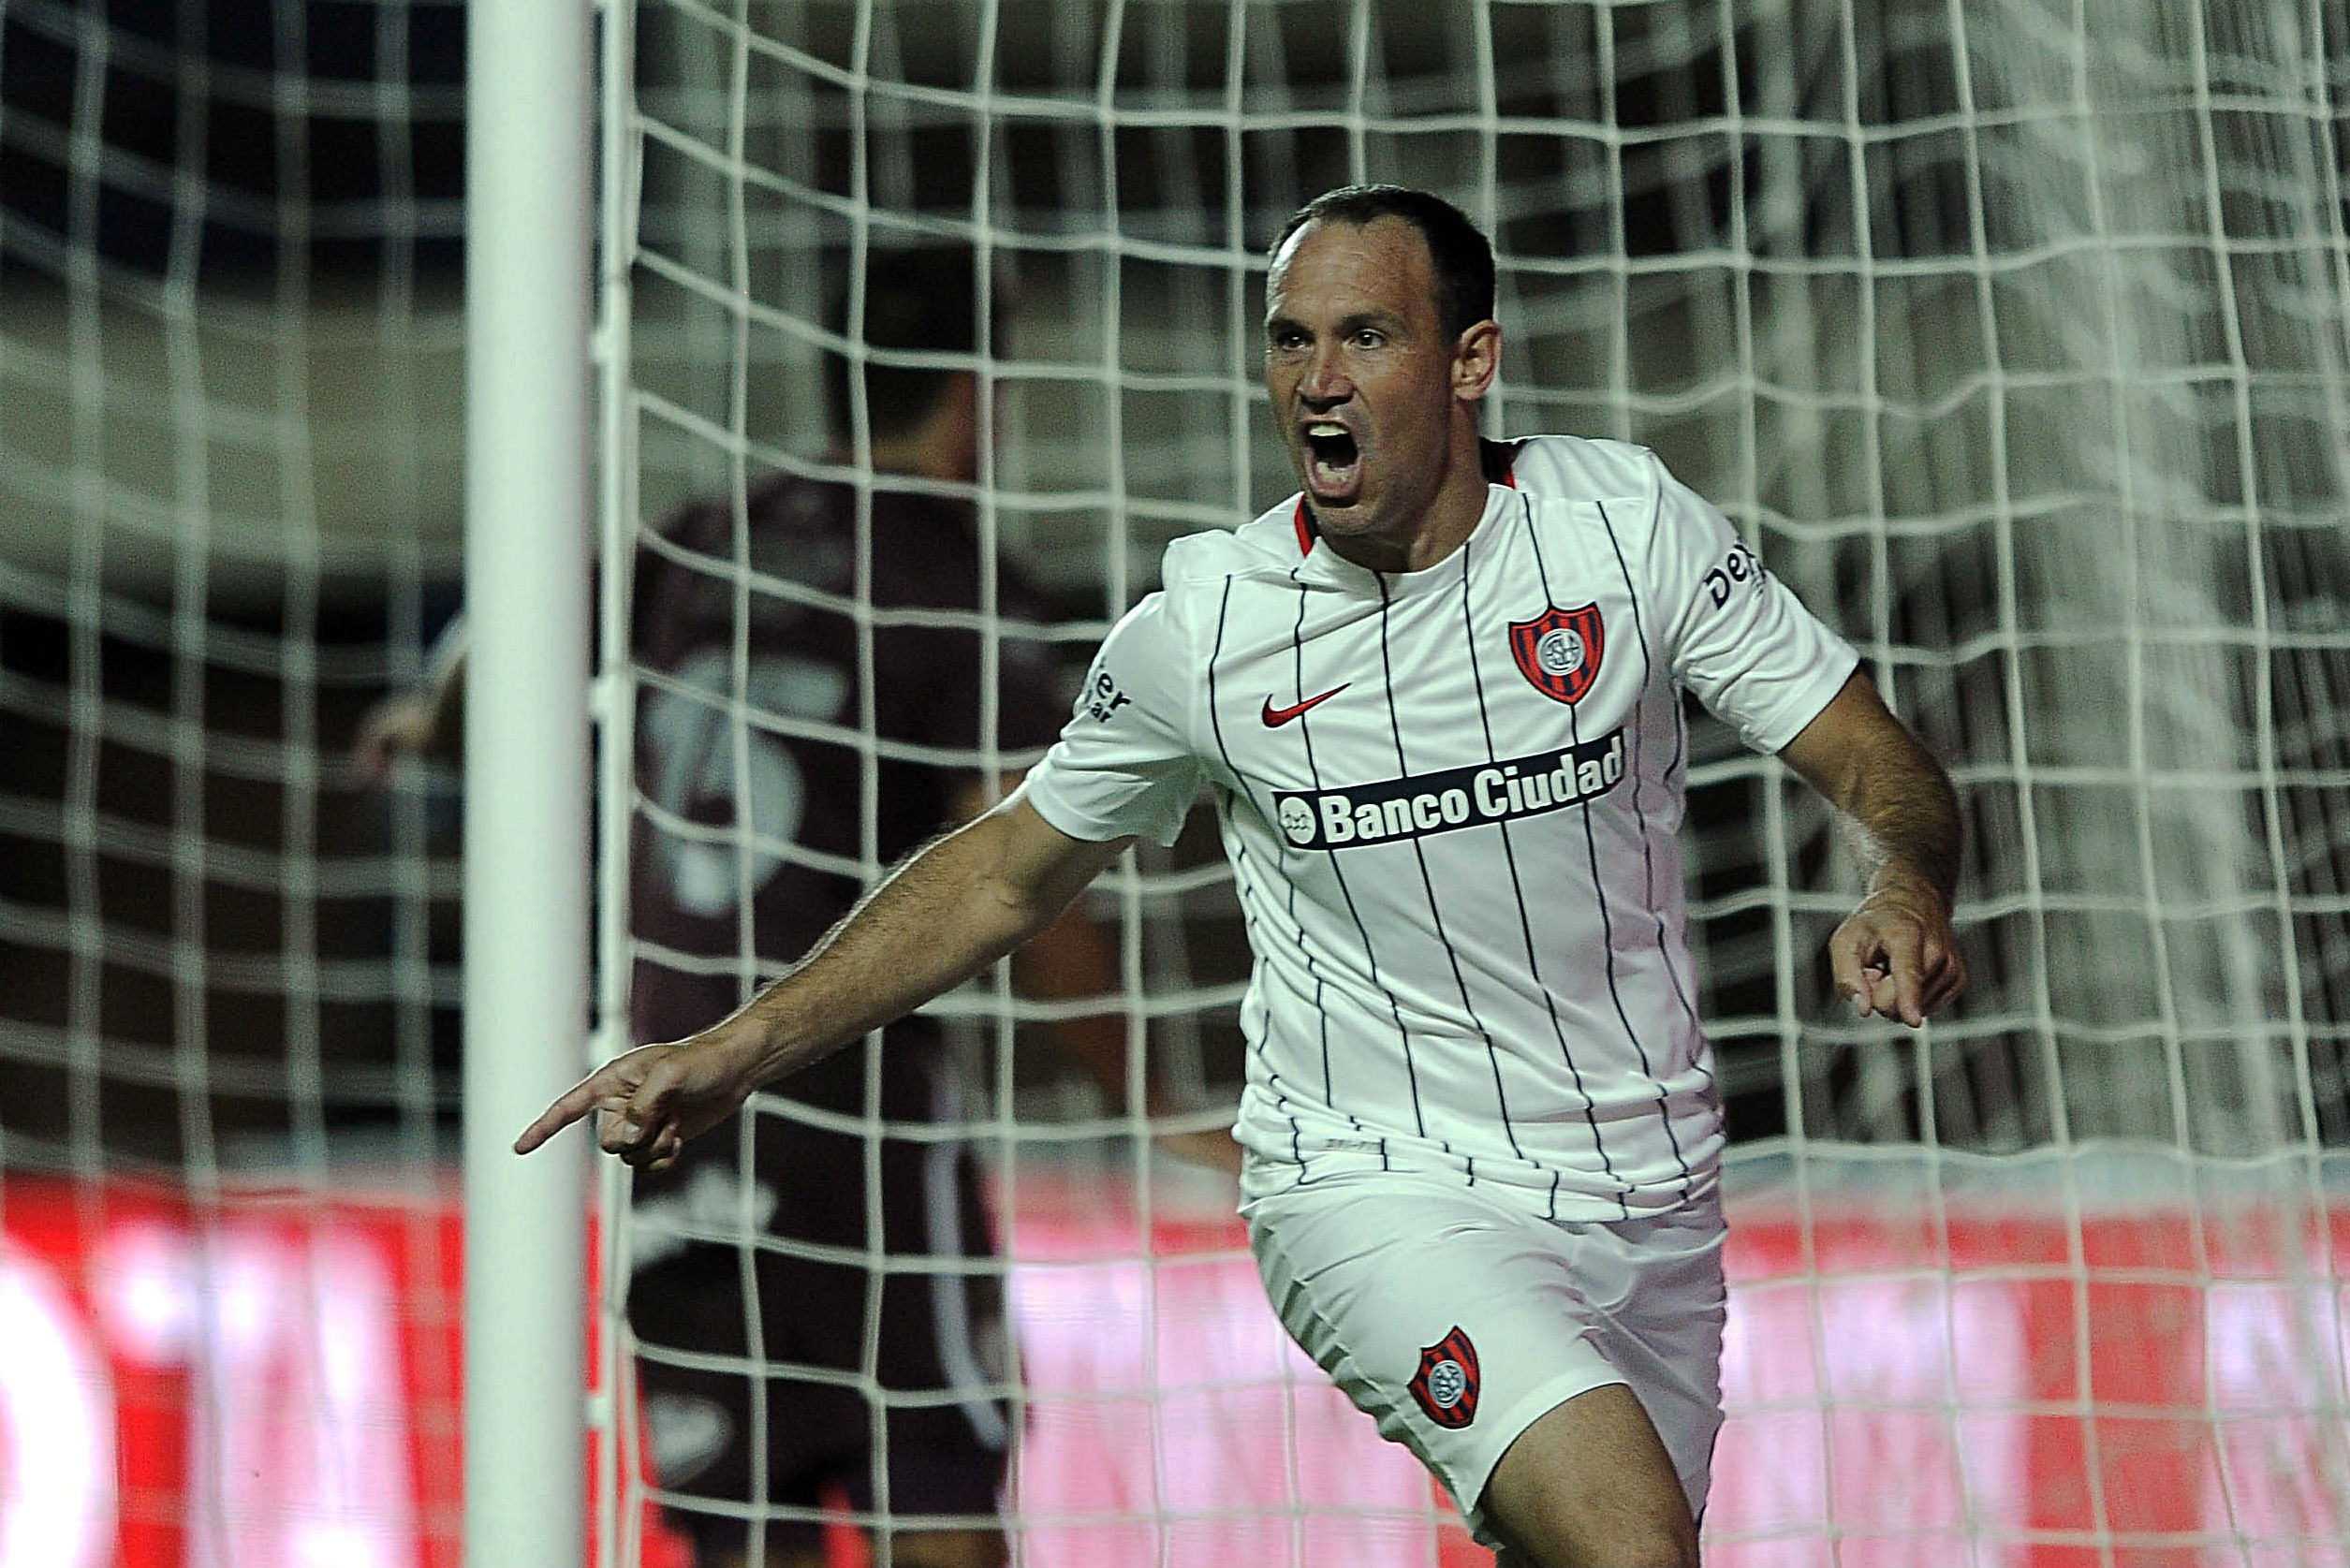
{"x": 528, "y": 480}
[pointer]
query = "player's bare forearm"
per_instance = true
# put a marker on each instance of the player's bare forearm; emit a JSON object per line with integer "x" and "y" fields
{"x": 1070, "y": 959}
{"x": 947, "y": 913}
{"x": 968, "y": 899}
{"x": 1896, "y": 954}
{"x": 1904, "y": 818}
{"x": 1894, "y": 798}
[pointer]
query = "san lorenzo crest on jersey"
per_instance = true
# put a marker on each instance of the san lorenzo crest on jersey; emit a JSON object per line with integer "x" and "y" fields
{"x": 1559, "y": 650}
{"x": 1446, "y": 1384}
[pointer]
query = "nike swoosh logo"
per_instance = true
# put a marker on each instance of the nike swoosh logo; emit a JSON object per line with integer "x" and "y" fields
{"x": 1275, "y": 717}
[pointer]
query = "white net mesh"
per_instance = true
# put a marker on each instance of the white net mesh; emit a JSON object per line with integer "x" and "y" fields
{"x": 2013, "y": 336}
{"x": 229, "y": 353}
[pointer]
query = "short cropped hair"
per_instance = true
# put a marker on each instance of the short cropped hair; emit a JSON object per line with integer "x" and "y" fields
{"x": 1462, "y": 259}
{"x": 922, "y": 300}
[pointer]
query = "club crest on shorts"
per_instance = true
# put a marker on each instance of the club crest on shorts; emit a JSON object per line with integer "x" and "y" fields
{"x": 1445, "y": 1383}
{"x": 1559, "y": 650}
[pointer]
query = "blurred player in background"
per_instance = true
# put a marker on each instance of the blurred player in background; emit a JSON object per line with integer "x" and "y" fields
{"x": 698, "y": 899}
{"x": 1437, "y": 699}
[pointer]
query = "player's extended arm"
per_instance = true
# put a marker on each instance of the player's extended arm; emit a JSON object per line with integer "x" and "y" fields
{"x": 941, "y": 917}
{"x": 1896, "y": 955}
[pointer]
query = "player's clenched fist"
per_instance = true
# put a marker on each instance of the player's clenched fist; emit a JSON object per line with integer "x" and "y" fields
{"x": 651, "y": 1100}
{"x": 1896, "y": 955}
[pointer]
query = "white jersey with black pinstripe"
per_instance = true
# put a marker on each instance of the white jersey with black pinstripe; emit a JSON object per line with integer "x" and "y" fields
{"x": 1449, "y": 797}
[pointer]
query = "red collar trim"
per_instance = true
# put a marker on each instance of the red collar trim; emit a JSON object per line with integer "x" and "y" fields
{"x": 1501, "y": 455}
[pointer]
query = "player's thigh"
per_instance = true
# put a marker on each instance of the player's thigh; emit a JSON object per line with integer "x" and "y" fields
{"x": 1590, "y": 1484}
{"x": 1453, "y": 1322}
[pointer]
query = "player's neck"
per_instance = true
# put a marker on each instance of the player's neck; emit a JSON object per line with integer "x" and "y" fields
{"x": 1431, "y": 534}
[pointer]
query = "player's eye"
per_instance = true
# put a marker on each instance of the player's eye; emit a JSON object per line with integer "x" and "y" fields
{"x": 1369, "y": 337}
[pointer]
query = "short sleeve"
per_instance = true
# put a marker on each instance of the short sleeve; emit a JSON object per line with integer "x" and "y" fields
{"x": 1741, "y": 639}
{"x": 1125, "y": 765}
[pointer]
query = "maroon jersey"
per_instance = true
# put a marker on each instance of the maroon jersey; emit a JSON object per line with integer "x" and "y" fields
{"x": 752, "y": 707}
{"x": 771, "y": 733}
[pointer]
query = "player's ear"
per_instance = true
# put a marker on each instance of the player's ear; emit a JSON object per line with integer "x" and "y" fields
{"x": 1477, "y": 360}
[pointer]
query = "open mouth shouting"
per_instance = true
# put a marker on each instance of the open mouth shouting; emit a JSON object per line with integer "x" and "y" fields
{"x": 1333, "y": 461}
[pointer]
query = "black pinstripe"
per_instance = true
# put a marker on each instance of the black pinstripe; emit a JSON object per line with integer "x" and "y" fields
{"x": 1321, "y": 1014}
{"x": 1215, "y": 728}
{"x": 1525, "y": 921}
{"x": 1371, "y": 957}
{"x": 1599, "y": 893}
{"x": 1648, "y": 859}
{"x": 1296, "y": 678}
{"x": 1428, "y": 883}
{"x": 1252, "y": 923}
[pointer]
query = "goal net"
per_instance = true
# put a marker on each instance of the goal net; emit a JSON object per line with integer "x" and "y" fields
{"x": 230, "y": 354}
{"x": 2011, "y": 335}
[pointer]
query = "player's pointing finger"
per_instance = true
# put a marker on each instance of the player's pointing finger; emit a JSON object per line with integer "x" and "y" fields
{"x": 575, "y": 1102}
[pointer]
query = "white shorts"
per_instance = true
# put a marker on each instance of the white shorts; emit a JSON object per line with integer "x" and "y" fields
{"x": 1455, "y": 1320}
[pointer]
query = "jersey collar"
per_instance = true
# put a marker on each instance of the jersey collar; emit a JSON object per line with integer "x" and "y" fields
{"x": 1330, "y": 568}
{"x": 1499, "y": 460}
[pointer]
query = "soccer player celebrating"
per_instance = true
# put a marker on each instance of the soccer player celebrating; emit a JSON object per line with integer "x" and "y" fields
{"x": 1435, "y": 698}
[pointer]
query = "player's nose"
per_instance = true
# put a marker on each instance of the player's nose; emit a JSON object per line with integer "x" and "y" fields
{"x": 1325, "y": 381}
